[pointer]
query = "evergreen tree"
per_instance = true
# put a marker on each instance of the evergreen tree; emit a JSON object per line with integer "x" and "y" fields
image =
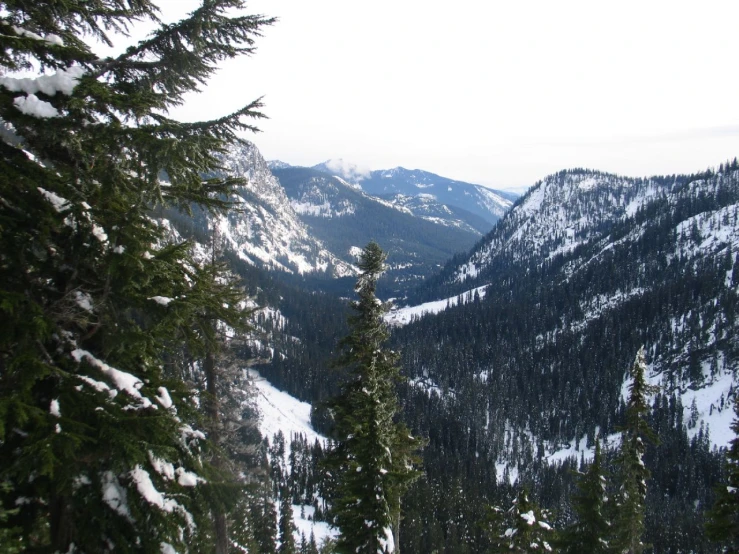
{"x": 523, "y": 527}
{"x": 371, "y": 463}
{"x": 723, "y": 519}
{"x": 591, "y": 531}
{"x": 629, "y": 522}
{"x": 97, "y": 443}
{"x": 287, "y": 540}
{"x": 312, "y": 546}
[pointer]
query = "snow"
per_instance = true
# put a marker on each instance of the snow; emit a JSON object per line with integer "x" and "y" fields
{"x": 51, "y": 38}
{"x": 163, "y": 397}
{"x": 98, "y": 385}
{"x": 281, "y": 412}
{"x": 304, "y": 525}
{"x": 123, "y": 381}
{"x": 713, "y": 413}
{"x": 148, "y": 492}
{"x": 188, "y": 478}
{"x": 162, "y": 300}
{"x": 64, "y": 81}
{"x": 83, "y": 300}
{"x": 162, "y": 467}
{"x": 710, "y": 412}
{"x": 588, "y": 183}
{"x": 166, "y": 548}
{"x": 114, "y": 495}
{"x": 54, "y": 408}
{"x": 534, "y": 201}
{"x": 403, "y": 316}
{"x": 99, "y": 233}
{"x": 33, "y": 106}
{"x": 388, "y": 543}
{"x": 59, "y": 203}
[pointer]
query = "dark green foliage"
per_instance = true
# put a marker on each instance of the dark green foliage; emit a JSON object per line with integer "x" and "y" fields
{"x": 371, "y": 461}
{"x": 523, "y": 527}
{"x": 525, "y": 357}
{"x": 97, "y": 305}
{"x": 633, "y": 473}
{"x": 497, "y": 360}
{"x": 592, "y": 529}
{"x": 723, "y": 522}
{"x": 286, "y": 526}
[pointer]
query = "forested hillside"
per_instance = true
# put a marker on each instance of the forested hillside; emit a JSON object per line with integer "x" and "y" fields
{"x": 345, "y": 219}
{"x": 573, "y": 384}
{"x": 585, "y": 270}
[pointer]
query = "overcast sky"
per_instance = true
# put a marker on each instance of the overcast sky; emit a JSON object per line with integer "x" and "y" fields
{"x": 495, "y": 93}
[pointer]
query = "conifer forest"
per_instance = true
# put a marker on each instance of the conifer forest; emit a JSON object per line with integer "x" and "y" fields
{"x": 205, "y": 352}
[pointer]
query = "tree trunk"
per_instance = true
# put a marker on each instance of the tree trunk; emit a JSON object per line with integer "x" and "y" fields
{"x": 221, "y": 528}
{"x": 61, "y": 524}
{"x": 214, "y": 417}
{"x": 396, "y": 532}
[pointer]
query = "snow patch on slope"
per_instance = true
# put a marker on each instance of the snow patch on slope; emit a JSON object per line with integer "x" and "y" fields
{"x": 403, "y": 316}
{"x": 281, "y": 412}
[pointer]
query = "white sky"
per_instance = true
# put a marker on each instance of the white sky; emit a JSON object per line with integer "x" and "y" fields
{"x": 495, "y": 93}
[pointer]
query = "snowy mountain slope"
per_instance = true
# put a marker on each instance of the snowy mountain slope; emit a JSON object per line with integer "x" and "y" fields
{"x": 486, "y": 203}
{"x": 406, "y": 314}
{"x": 563, "y": 212}
{"x": 264, "y": 230}
{"x": 585, "y": 269}
{"x": 427, "y": 207}
{"x": 317, "y": 193}
{"x": 280, "y": 412}
{"x": 345, "y": 218}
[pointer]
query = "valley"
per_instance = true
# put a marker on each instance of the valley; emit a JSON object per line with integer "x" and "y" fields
{"x": 516, "y": 351}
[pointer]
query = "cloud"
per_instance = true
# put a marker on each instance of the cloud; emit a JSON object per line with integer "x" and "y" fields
{"x": 347, "y": 170}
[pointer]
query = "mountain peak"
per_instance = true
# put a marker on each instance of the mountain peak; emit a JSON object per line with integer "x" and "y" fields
{"x": 278, "y": 164}
{"x": 348, "y": 171}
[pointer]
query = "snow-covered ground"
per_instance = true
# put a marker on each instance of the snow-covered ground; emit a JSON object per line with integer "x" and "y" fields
{"x": 403, "y": 316}
{"x": 281, "y": 412}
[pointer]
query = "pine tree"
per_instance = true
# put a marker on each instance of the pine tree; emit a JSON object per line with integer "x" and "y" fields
{"x": 591, "y": 531}
{"x": 723, "y": 520}
{"x": 287, "y": 527}
{"x": 371, "y": 463}
{"x": 97, "y": 443}
{"x": 524, "y": 527}
{"x": 629, "y": 522}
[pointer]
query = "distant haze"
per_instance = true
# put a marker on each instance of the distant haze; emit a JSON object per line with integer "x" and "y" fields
{"x": 495, "y": 93}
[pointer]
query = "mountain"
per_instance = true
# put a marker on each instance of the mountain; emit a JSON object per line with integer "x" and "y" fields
{"x": 348, "y": 171}
{"x": 427, "y": 207}
{"x": 344, "y": 218}
{"x": 264, "y": 230}
{"x": 589, "y": 260}
{"x": 277, "y": 164}
{"x": 484, "y": 202}
{"x": 513, "y": 381}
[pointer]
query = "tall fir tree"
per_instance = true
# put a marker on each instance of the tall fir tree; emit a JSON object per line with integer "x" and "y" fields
{"x": 722, "y": 524}
{"x": 286, "y": 526}
{"x": 97, "y": 445}
{"x": 591, "y": 531}
{"x": 371, "y": 463}
{"x": 633, "y": 474}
